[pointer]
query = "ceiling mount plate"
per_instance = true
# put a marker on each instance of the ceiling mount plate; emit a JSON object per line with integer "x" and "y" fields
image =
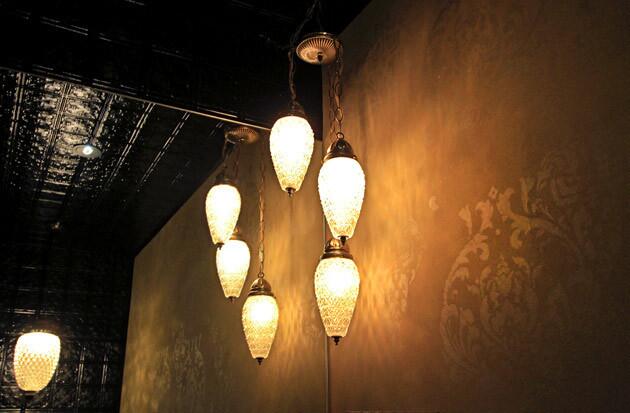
{"x": 318, "y": 48}
{"x": 241, "y": 134}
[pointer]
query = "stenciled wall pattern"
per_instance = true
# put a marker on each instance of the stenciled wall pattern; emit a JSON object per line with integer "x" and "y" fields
{"x": 491, "y": 241}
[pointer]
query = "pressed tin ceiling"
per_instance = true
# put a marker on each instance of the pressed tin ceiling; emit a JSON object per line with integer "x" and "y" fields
{"x": 153, "y": 158}
{"x": 229, "y": 60}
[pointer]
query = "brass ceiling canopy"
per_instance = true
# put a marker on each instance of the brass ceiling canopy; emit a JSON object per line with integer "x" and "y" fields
{"x": 241, "y": 134}
{"x": 318, "y": 48}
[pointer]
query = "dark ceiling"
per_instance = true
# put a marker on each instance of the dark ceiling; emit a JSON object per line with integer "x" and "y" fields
{"x": 89, "y": 73}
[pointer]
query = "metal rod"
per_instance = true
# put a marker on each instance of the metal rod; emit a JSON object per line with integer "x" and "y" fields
{"x": 210, "y": 113}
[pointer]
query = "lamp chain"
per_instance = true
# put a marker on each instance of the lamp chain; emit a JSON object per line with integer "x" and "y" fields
{"x": 224, "y": 155}
{"x": 261, "y": 214}
{"x": 335, "y": 90}
{"x": 237, "y": 158}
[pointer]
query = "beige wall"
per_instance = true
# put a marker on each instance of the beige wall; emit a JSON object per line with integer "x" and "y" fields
{"x": 493, "y": 137}
{"x": 186, "y": 351}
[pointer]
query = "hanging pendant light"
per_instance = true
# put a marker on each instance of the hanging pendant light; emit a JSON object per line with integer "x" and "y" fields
{"x": 232, "y": 265}
{"x": 336, "y": 288}
{"x": 291, "y": 145}
{"x": 260, "y": 319}
{"x": 341, "y": 185}
{"x": 223, "y": 206}
{"x": 35, "y": 360}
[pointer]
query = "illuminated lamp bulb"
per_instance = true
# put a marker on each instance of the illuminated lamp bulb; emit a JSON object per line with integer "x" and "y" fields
{"x": 35, "y": 360}
{"x": 260, "y": 319}
{"x": 223, "y": 205}
{"x": 341, "y": 185}
{"x": 232, "y": 265}
{"x": 291, "y": 145}
{"x": 336, "y": 288}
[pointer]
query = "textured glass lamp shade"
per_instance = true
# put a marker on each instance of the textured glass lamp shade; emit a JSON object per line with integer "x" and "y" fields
{"x": 232, "y": 266}
{"x": 223, "y": 205}
{"x": 260, "y": 319}
{"x": 35, "y": 360}
{"x": 341, "y": 184}
{"x": 291, "y": 145}
{"x": 336, "y": 289}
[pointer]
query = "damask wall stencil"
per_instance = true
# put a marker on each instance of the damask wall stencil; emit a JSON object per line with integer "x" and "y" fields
{"x": 528, "y": 273}
{"x": 491, "y": 240}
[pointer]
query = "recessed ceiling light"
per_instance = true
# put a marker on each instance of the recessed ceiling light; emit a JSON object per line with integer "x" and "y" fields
{"x": 87, "y": 151}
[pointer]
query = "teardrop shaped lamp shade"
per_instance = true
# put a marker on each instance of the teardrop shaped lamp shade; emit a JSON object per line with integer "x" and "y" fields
{"x": 223, "y": 206}
{"x": 336, "y": 288}
{"x": 291, "y": 145}
{"x": 35, "y": 360}
{"x": 260, "y": 322}
{"x": 341, "y": 185}
{"x": 232, "y": 266}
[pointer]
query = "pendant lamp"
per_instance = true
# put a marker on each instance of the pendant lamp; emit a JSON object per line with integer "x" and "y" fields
{"x": 341, "y": 185}
{"x": 232, "y": 265}
{"x": 291, "y": 145}
{"x": 260, "y": 319}
{"x": 35, "y": 360}
{"x": 336, "y": 288}
{"x": 223, "y": 206}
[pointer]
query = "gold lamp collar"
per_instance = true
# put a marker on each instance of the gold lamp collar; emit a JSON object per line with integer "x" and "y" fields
{"x": 340, "y": 148}
{"x": 336, "y": 249}
{"x": 260, "y": 287}
{"x": 236, "y": 235}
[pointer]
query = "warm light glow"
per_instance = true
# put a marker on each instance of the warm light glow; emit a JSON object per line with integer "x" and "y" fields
{"x": 223, "y": 205}
{"x": 336, "y": 289}
{"x": 87, "y": 150}
{"x": 35, "y": 360}
{"x": 341, "y": 188}
{"x": 232, "y": 266}
{"x": 291, "y": 145}
{"x": 260, "y": 321}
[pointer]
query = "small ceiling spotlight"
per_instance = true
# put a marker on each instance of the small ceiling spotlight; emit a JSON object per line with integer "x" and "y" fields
{"x": 318, "y": 48}
{"x": 87, "y": 150}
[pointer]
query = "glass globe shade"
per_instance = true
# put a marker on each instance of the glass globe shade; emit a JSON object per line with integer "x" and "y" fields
{"x": 341, "y": 185}
{"x": 260, "y": 322}
{"x": 35, "y": 360}
{"x": 291, "y": 145}
{"x": 223, "y": 205}
{"x": 336, "y": 289}
{"x": 232, "y": 266}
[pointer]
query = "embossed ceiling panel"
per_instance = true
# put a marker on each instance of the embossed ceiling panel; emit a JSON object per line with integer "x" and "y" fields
{"x": 57, "y": 190}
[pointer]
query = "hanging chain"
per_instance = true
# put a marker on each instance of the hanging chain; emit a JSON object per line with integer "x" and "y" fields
{"x": 224, "y": 156}
{"x": 237, "y": 158}
{"x": 335, "y": 91}
{"x": 291, "y": 53}
{"x": 294, "y": 103}
{"x": 261, "y": 214}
